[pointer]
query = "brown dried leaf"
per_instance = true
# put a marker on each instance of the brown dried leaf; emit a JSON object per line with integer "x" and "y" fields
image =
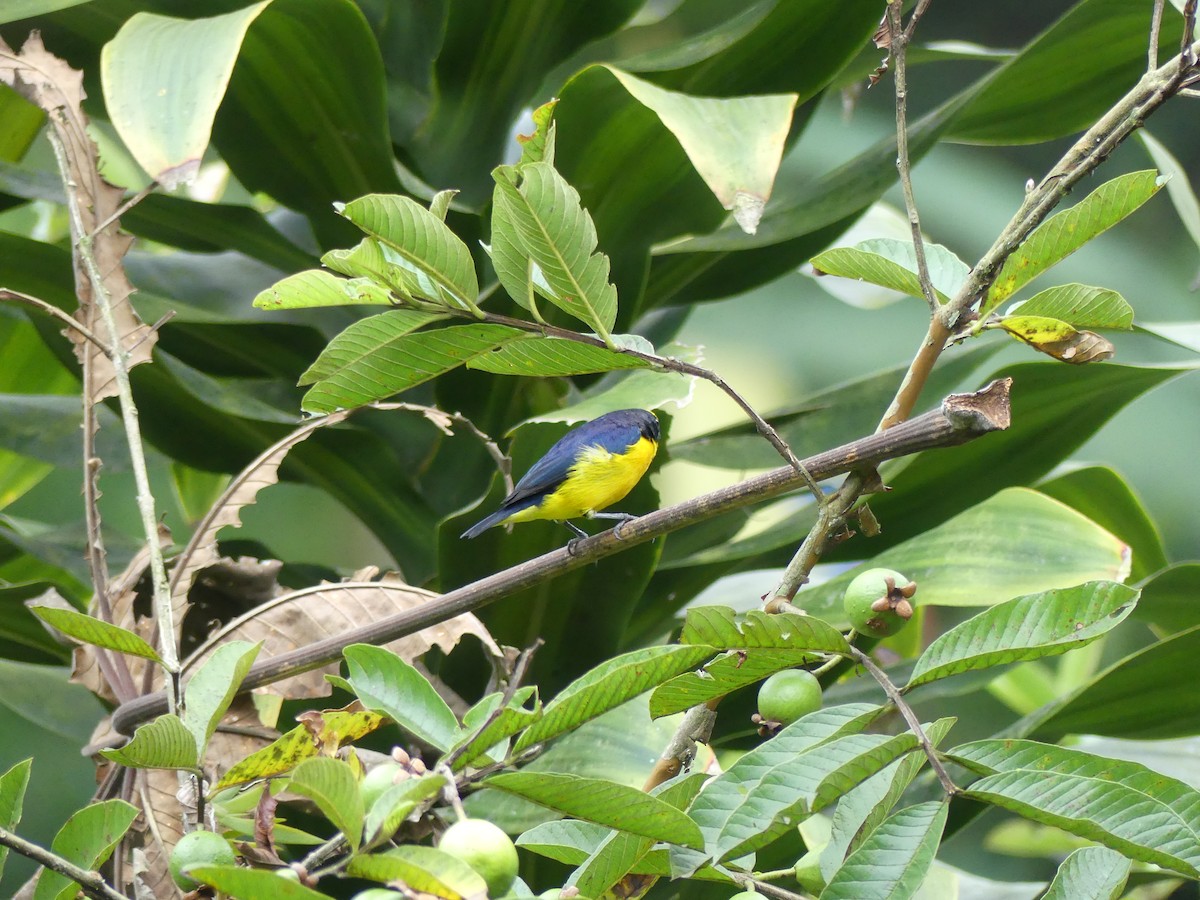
{"x": 1081, "y": 347}
{"x": 47, "y": 81}
{"x": 303, "y": 617}
{"x": 157, "y": 789}
{"x": 201, "y": 550}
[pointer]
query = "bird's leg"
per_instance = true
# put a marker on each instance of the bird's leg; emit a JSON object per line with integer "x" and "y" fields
{"x": 580, "y": 534}
{"x": 621, "y": 518}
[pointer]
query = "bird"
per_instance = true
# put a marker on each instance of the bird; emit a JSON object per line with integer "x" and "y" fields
{"x": 590, "y": 468}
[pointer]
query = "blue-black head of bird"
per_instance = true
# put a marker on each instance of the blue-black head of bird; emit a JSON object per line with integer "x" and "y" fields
{"x": 590, "y": 468}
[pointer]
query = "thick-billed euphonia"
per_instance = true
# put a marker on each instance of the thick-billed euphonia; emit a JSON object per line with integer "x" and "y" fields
{"x": 589, "y": 469}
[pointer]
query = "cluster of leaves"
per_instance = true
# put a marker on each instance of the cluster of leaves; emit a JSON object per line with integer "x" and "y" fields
{"x": 621, "y": 192}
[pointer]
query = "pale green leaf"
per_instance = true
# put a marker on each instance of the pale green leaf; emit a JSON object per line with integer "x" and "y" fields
{"x": 721, "y": 627}
{"x": 1065, "y": 232}
{"x": 389, "y": 326}
{"x": 163, "y": 80}
{"x": 1029, "y": 627}
{"x": 93, "y": 631}
{"x": 549, "y": 356}
{"x": 87, "y": 839}
{"x": 1079, "y": 305}
{"x": 387, "y": 684}
{"x": 558, "y": 234}
{"x": 476, "y": 741}
{"x": 517, "y": 272}
{"x": 12, "y": 798}
{"x": 568, "y": 841}
{"x": 208, "y": 693}
{"x": 377, "y": 357}
{"x": 316, "y": 287}
{"x": 438, "y": 262}
{"x": 1093, "y": 872}
{"x": 731, "y": 670}
{"x": 253, "y": 884}
{"x": 164, "y": 743}
{"x": 892, "y": 264}
{"x": 603, "y": 802}
{"x": 892, "y": 863}
{"x": 1179, "y": 187}
{"x": 424, "y": 869}
{"x": 394, "y": 805}
{"x": 609, "y": 685}
{"x": 330, "y": 783}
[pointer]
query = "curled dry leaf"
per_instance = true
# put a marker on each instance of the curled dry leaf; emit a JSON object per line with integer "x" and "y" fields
{"x": 47, "y": 81}
{"x": 1057, "y": 338}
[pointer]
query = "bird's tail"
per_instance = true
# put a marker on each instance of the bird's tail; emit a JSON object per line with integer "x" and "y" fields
{"x": 484, "y": 524}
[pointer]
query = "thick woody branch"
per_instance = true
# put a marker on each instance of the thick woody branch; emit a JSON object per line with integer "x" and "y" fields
{"x": 961, "y": 418}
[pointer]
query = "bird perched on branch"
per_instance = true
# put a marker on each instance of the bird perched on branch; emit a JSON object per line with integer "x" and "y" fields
{"x": 589, "y": 469}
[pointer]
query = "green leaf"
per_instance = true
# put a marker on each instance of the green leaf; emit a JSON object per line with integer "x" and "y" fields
{"x": 95, "y": 632}
{"x": 316, "y": 287}
{"x": 549, "y": 356}
{"x": 721, "y": 627}
{"x": 717, "y": 805}
{"x": 1122, "y": 805}
{"x": 518, "y": 274}
{"x": 12, "y": 797}
{"x": 568, "y": 841}
{"x": 557, "y": 233}
{"x": 1168, "y": 598}
{"x": 892, "y": 863}
{"x": 1179, "y": 188}
{"x": 1108, "y": 500}
{"x": 1065, "y": 232}
{"x": 1079, "y": 305}
{"x": 393, "y": 324}
{"x": 163, "y": 80}
{"x": 1030, "y": 627}
{"x": 512, "y": 719}
{"x": 603, "y": 802}
{"x": 208, "y": 693}
{"x": 609, "y": 685}
{"x": 253, "y": 884}
{"x": 982, "y": 556}
{"x": 893, "y": 264}
{"x": 387, "y": 684}
{"x": 735, "y": 144}
{"x": 164, "y": 743}
{"x": 16, "y": 10}
{"x": 731, "y": 670}
{"x": 87, "y": 839}
{"x": 330, "y": 783}
{"x": 377, "y": 357}
{"x": 1094, "y": 872}
{"x": 424, "y": 869}
{"x": 437, "y": 264}
{"x": 395, "y": 804}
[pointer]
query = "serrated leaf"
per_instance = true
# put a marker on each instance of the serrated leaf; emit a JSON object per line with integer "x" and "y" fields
{"x": 609, "y": 685}
{"x": 330, "y": 783}
{"x": 163, "y": 80}
{"x": 1122, "y": 805}
{"x": 1079, "y": 305}
{"x": 728, "y": 672}
{"x": 892, "y": 264}
{"x": 387, "y": 684}
{"x": 721, "y": 627}
{"x": 253, "y": 884}
{"x": 87, "y": 839}
{"x": 316, "y": 287}
{"x": 1029, "y": 627}
{"x": 722, "y": 797}
{"x": 439, "y": 263}
{"x": 303, "y": 742}
{"x": 892, "y": 863}
{"x": 549, "y": 356}
{"x": 377, "y": 357}
{"x": 12, "y": 799}
{"x": 603, "y": 802}
{"x": 394, "y": 805}
{"x": 1065, "y": 232}
{"x": 209, "y": 692}
{"x": 557, "y": 233}
{"x": 512, "y": 719}
{"x": 164, "y": 743}
{"x": 1093, "y": 872}
{"x": 424, "y": 869}
{"x": 93, "y": 631}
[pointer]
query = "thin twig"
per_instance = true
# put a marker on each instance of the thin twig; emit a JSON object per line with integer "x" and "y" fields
{"x": 750, "y": 883}
{"x": 126, "y": 206}
{"x": 519, "y": 671}
{"x": 1155, "y": 27}
{"x": 1187, "y": 52}
{"x": 829, "y": 518}
{"x": 91, "y": 883}
{"x": 961, "y": 418}
{"x": 53, "y": 311}
{"x": 899, "y": 45}
{"x": 910, "y": 717}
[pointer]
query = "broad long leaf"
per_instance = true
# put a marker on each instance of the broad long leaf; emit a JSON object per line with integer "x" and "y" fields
{"x": 164, "y": 743}
{"x": 603, "y": 802}
{"x": 1064, "y": 233}
{"x": 425, "y": 869}
{"x": 893, "y": 264}
{"x": 316, "y": 287}
{"x": 1094, "y": 872}
{"x": 87, "y": 839}
{"x": 558, "y": 234}
{"x": 12, "y": 799}
{"x": 1030, "y": 627}
{"x": 253, "y": 884}
{"x": 547, "y": 356}
{"x": 330, "y": 783}
{"x": 728, "y": 672}
{"x": 1079, "y": 305}
{"x": 94, "y": 631}
{"x": 387, "y": 684}
{"x": 892, "y": 863}
{"x": 212, "y": 688}
{"x": 609, "y": 685}
{"x": 721, "y": 627}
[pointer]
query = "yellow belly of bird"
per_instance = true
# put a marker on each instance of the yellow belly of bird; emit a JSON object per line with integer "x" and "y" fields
{"x": 598, "y": 480}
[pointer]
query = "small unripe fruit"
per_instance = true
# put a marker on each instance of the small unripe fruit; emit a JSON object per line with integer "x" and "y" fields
{"x": 486, "y": 849}
{"x": 789, "y": 695}
{"x": 878, "y": 602}
{"x": 198, "y": 848}
{"x": 747, "y": 895}
{"x": 379, "y": 779}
